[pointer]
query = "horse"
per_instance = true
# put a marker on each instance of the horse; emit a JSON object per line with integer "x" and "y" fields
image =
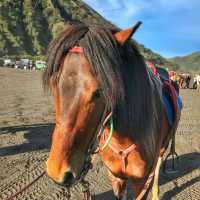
{"x": 102, "y": 89}
{"x": 183, "y": 80}
{"x": 196, "y": 84}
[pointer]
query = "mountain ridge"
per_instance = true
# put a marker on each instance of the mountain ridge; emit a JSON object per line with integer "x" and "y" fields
{"x": 188, "y": 63}
{"x": 27, "y": 26}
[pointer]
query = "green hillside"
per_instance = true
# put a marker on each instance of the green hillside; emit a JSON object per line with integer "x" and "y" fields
{"x": 190, "y": 63}
{"x": 27, "y": 26}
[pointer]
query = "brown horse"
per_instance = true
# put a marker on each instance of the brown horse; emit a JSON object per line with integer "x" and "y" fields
{"x": 183, "y": 80}
{"x": 96, "y": 74}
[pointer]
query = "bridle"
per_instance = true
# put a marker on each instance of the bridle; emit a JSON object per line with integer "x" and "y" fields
{"x": 94, "y": 143}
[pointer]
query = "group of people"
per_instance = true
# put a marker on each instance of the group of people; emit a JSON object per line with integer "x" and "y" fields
{"x": 184, "y": 80}
{"x": 187, "y": 80}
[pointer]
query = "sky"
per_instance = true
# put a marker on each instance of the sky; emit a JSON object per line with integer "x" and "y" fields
{"x": 170, "y": 27}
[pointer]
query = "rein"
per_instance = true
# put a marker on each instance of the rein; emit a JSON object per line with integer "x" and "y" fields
{"x": 26, "y": 187}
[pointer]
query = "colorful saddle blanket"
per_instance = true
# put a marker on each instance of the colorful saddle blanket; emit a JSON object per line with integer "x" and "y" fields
{"x": 172, "y": 101}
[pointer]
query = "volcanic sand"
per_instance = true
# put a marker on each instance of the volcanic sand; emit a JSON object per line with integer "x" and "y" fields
{"x": 26, "y": 124}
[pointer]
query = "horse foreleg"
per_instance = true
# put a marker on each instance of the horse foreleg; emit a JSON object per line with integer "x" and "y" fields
{"x": 155, "y": 188}
{"x": 139, "y": 192}
{"x": 118, "y": 186}
{"x": 143, "y": 186}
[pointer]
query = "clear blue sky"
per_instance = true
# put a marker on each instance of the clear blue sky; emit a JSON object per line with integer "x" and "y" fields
{"x": 170, "y": 27}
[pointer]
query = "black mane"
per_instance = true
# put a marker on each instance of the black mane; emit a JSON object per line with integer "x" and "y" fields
{"x": 129, "y": 89}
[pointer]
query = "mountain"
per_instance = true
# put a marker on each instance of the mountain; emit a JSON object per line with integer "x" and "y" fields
{"x": 189, "y": 63}
{"x": 27, "y": 26}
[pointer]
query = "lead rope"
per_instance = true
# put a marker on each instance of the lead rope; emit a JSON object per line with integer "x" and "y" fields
{"x": 26, "y": 187}
{"x": 85, "y": 184}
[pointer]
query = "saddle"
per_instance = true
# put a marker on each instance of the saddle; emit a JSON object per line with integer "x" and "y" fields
{"x": 171, "y": 99}
{"x": 163, "y": 74}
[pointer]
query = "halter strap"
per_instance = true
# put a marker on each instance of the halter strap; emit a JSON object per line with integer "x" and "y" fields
{"x": 123, "y": 154}
{"x": 109, "y": 136}
{"x": 76, "y": 49}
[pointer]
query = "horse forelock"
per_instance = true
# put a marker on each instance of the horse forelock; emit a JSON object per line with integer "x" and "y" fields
{"x": 129, "y": 89}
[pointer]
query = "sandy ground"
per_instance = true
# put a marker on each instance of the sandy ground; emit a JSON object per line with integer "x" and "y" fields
{"x": 26, "y": 123}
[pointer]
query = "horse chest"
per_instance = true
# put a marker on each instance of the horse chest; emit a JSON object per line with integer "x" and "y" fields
{"x": 126, "y": 162}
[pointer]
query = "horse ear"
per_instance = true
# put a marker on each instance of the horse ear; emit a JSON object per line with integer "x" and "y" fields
{"x": 123, "y": 36}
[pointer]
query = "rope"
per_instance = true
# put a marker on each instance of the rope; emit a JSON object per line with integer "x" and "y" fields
{"x": 26, "y": 187}
{"x": 110, "y": 135}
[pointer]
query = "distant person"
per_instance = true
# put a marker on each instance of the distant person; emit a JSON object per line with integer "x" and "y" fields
{"x": 188, "y": 81}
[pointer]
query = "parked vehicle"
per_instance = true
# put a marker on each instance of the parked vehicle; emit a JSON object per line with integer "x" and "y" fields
{"x": 9, "y": 62}
{"x": 24, "y": 63}
{"x": 39, "y": 64}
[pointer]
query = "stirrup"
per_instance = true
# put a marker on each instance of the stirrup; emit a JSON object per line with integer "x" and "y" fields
{"x": 173, "y": 166}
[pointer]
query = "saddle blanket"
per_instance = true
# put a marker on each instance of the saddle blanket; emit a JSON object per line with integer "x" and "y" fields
{"x": 169, "y": 107}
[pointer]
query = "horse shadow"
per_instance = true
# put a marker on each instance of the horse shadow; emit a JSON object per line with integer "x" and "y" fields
{"x": 187, "y": 163}
{"x": 37, "y": 137}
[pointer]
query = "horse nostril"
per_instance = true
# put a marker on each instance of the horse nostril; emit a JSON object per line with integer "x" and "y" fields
{"x": 68, "y": 178}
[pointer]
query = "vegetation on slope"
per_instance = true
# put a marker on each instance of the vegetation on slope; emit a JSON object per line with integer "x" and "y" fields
{"x": 27, "y": 26}
{"x": 190, "y": 63}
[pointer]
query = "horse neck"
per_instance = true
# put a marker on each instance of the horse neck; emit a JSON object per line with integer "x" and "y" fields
{"x": 119, "y": 139}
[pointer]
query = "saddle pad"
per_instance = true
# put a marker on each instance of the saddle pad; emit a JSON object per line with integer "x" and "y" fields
{"x": 169, "y": 107}
{"x": 163, "y": 74}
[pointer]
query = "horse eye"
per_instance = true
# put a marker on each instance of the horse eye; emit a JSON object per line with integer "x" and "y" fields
{"x": 96, "y": 94}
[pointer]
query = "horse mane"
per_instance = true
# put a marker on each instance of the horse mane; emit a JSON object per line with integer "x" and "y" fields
{"x": 128, "y": 87}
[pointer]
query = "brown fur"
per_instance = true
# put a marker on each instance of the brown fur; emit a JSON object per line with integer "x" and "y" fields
{"x": 106, "y": 74}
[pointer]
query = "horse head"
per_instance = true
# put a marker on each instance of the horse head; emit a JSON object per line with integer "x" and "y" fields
{"x": 80, "y": 102}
